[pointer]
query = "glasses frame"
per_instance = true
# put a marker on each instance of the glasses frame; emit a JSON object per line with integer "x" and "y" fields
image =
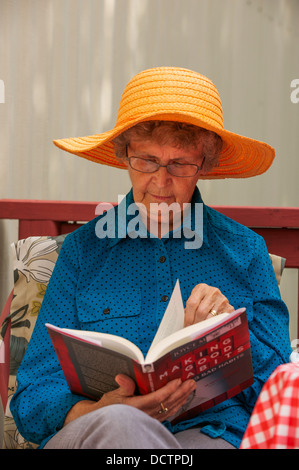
{"x": 198, "y": 168}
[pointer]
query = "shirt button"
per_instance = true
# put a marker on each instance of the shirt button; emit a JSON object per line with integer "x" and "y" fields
{"x": 162, "y": 259}
{"x": 106, "y": 311}
{"x": 164, "y": 298}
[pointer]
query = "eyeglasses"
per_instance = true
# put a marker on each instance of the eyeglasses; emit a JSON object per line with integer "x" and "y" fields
{"x": 182, "y": 170}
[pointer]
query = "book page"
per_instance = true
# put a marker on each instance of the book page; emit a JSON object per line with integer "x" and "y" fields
{"x": 187, "y": 334}
{"x": 173, "y": 319}
{"x": 119, "y": 345}
{"x": 106, "y": 340}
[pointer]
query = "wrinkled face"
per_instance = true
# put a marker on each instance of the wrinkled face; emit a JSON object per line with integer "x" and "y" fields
{"x": 161, "y": 186}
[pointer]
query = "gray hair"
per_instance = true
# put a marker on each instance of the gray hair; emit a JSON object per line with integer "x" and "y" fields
{"x": 173, "y": 133}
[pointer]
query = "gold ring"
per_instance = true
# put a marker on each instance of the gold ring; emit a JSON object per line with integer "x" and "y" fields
{"x": 163, "y": 409}
{"x": 214, "y": 313}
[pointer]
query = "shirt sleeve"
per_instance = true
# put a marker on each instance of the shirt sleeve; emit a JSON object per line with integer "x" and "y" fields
{"x": 268, "y": 323}
{"x": 43, "y": 398}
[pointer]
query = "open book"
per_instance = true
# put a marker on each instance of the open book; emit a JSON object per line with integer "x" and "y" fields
{"x": 215, "y": 353}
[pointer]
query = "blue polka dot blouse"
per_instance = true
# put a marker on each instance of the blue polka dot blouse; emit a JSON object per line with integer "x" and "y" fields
{"x": 121, "y": 284}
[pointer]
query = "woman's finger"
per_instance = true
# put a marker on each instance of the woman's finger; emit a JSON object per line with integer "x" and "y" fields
{"x": 203, "y": 300}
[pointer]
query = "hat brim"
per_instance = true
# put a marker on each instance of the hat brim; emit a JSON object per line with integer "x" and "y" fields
{"x": 241, "y": 157}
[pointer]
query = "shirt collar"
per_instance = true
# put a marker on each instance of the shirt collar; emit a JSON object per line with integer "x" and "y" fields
{"x": 194, "y": 224}
{"x": 124, "y": 212}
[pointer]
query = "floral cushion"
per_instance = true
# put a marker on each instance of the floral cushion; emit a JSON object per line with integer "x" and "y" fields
{"x": 33, "y": 262}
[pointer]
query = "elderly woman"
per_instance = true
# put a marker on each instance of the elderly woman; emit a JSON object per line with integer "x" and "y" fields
{"x": 169, "y": 134}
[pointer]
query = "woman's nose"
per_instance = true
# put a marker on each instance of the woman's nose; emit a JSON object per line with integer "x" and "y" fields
{"x": 162, "y": 177}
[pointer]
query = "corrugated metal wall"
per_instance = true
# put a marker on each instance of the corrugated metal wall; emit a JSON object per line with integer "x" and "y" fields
{"x": 64, "y": 64}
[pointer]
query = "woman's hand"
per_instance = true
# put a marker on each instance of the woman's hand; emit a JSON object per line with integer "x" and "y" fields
{"x": 203, "y": 300}
{"x": 172, "y": 396}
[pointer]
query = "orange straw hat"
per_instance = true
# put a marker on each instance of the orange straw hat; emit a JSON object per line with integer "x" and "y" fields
{"x": 176, "y": 94}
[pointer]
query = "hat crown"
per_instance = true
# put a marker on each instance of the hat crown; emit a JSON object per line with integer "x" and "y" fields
{"x": 170, "y": 90}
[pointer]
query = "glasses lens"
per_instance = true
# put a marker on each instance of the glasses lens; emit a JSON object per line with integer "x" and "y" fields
{"x": 143, "y": 164}
{"x": 177, "y": 169}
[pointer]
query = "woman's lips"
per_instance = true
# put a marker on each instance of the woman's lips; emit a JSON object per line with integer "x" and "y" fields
{"x": 162, "y": 198}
